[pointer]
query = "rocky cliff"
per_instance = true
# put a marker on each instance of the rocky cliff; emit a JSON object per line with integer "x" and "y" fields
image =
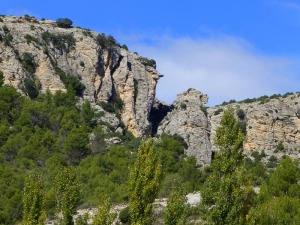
{"x": 39, "y": 56}
{"x": 46, "y": 55}
{"x": 271, "y": 125}
{"x": 189, "y": 120}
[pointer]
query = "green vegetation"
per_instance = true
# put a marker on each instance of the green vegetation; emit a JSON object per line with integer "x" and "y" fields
{"x": 203, "y": 109}
{"x": 106, "y": 41}
{"x": 28, "y": 62}
{"x": 148, "y": 62}
{"x": 227, "y": 193}
{"x": 31, "y": 88}
{"x": 67, "y": 195}
{"x": 261, "y": 99}
{"x": 64, "y": 22}
{"x": 33, "y": 200}
{"x": 176, "y": 213}
{"x": 30, "y": 39}
{"x": 144, "y": 183}
{"x": 279, "y": 199}
{"x": 103, "y": 215}
{"x": 59, "y": 41}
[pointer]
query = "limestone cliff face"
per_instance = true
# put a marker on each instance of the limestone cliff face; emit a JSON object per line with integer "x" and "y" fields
{"x": 188, "y": 120}
{"x": 105, "y": 72}
{"x": 273, "y": 126}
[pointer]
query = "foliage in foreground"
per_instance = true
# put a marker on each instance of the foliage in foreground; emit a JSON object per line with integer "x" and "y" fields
{"x": 227, "y": 194}
{"x": 144, "y": 183}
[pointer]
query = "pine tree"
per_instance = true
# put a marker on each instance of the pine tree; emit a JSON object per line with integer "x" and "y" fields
{"x": 279, "y": 197}
{"x": 144, "y": 182}
{"x": 227, "y": 194}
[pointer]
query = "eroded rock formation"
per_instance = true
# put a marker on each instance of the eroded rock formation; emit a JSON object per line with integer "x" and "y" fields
{"x": 188, "y": 119}
{"x": 107, "y": 72}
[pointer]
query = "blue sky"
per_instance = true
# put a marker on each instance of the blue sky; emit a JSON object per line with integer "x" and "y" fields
{"x": 230, "y": 49}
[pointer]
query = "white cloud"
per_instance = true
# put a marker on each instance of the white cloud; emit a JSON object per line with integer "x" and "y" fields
{"x": 225, "y": 68}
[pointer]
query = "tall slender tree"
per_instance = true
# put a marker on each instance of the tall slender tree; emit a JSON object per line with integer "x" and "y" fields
{"x": 67, "y": 191}
{"x": 176, "y": 213}
{"x": 227, "y": 194}
{"x": 144, "y": 182}
{"x": 33, "y": 213}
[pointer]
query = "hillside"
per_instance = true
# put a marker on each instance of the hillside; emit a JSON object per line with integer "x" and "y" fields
{"x": 73, "y": 97}
{"x": 37, "y": 56}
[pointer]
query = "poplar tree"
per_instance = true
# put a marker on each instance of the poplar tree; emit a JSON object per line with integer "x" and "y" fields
{"x": 176, "y": 213}
{"x": 67, "y": 191}
{"x": 144, "y": 182}
{"x": 103, "y": 215}
{"x": 33, "y": 213}
{"x": 227, "y": 194}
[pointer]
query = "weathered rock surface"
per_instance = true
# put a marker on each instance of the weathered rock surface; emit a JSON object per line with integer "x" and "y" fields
{"x": 113, "y": 73}
{"x": 105, "y": 72}
{"x": 188, "y": 120}
{"x": 272, "y": 127}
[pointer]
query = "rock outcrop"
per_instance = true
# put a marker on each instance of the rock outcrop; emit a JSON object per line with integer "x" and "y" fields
{"x": 108, "y": 73}
{"x": 272, "y": 126}
{"x": 113, "y": 77}
{"x": 188, "y": 120}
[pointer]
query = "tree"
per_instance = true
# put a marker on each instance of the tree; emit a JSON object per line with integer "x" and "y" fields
{"x": 76, "y": 145}
{"x": 88, "y": 114}
{"x": 279, "y": 197}
{"x": 1, "y": 78}
{"x": 144, "y": 182}
{"x": 64, "y": 22}
{"x": 227, "y": 194}
{"x": 67, "y": 191}
{"x": 33, "y": 201}
{"x": 103, "y": 215}
{"x": 176, "y": 209}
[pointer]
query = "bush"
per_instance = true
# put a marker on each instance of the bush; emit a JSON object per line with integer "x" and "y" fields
{"x": 30, "y": 39}
{"x": 106, "y": 42}
{"x": 124, "y": 215}
{"x": 28, "y": 62}
{"x": 241, "y": 114}
{"x": 125, "y": 47}
{"x": 148, "y": 62}
{"x": 30, "y": 88}
{"x": 203, "y": 109}
{"x": 7, "y": 39}
{"x": 59, "y": 40}
{"x": 182, "y": 105}
{"x": 64, "y": 22}
{"x": 218, "y": 111}
{"x": 5, "y": 29}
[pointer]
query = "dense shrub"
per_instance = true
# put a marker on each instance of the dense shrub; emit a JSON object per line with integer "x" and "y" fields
{"x": 59, "y": 40}
{"x": 106, "y": 41}
{"x": 218, "y": 111}
{"x": 28, "y": 62}
{"x": 124, "y": 216}
{"x": 241, "y": 114}
{"x": 30, "y": 39}
{"x": 7, "y": 39}
{"x": 30, "y": 88}
{"x": 5, "y": 29}
{"x": 64, "y": 22}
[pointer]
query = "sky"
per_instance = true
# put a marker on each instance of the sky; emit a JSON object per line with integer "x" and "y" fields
{"x": 233, "y": 49}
